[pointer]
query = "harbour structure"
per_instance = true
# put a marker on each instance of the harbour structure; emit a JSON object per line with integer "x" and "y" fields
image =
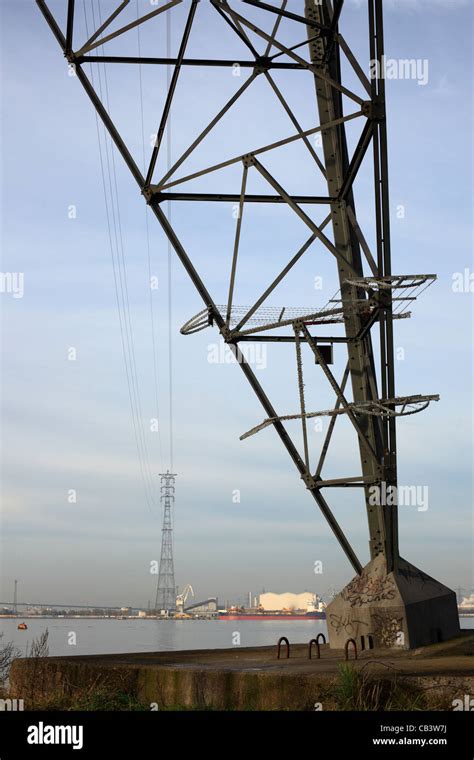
{"x": 283, "y": 607}
{"x": 271, "y": 602}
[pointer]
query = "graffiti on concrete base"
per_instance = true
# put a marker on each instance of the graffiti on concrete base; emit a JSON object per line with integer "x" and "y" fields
{"x": 386, "y": 627}
{"x": 345, "y": 623}
{"x": 365, "y": 589}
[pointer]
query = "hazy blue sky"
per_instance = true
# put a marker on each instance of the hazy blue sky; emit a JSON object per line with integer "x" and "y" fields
{"x": 67, "y": 424}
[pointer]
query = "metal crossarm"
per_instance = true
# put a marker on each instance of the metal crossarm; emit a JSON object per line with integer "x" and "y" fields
{"x": 378, "y": 408}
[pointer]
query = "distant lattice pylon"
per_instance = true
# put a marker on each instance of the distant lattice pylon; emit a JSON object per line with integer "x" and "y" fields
{"x": 165, "y": 591}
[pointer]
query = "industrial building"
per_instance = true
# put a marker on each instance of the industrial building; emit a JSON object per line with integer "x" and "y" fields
{"x": 287, "y": 601}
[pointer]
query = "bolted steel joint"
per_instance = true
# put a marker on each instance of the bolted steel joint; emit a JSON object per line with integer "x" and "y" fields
{"x": 226, "y": 334}
{"x": 309, "y": 481}
{"x": 248, "y": 160}
{"x": 149, "y": 194}
{"x": 374, "y": 110}
{"x": 262, "y": 64}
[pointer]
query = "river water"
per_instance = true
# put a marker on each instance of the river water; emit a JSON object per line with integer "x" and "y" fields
{"x": 102, "y": 636}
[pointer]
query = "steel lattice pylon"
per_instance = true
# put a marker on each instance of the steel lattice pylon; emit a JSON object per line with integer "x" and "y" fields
{"x": 389, "y": 595}
{"x": 166, "y": 590}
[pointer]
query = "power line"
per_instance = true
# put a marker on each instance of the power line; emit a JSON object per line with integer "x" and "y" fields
{"x": 125, "y": 294}
{"x": 116, "y": 243}
{"x": 121, "y": 292}
{"x": 152, "y": 319}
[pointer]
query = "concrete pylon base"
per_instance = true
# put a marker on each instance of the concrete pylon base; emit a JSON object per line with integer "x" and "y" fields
{"x": 405, "y": 608}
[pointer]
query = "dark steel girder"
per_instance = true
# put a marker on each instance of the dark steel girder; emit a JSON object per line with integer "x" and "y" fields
{"x": 382, "y": 206}
{"x": 235, "y": 198}
{"x": 341, "y": 173}
{"x": 70, "y": 24}
{"x": 265, "y": 63}
{"x": 286, "y": 339}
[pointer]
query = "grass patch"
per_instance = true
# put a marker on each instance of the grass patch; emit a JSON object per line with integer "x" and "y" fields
{"x": 362, "y": 689}
{"x": 97, "y": 701}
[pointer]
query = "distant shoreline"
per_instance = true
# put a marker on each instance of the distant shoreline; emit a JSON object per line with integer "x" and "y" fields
{"x": 133, "y": 617}
{"x": 96, "y": 617}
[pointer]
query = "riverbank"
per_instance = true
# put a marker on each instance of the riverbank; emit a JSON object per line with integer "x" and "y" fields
{"x": 253, "y": 679}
